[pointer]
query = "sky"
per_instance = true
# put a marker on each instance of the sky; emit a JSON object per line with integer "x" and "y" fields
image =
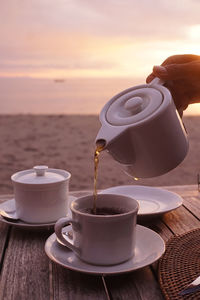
{"x": 94, "y": 38}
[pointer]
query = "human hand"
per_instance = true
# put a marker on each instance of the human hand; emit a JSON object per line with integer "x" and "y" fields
{"x": 181, "y": 74}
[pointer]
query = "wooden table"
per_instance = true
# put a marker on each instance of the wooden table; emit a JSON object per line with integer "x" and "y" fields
{"x": 28, "y": 274}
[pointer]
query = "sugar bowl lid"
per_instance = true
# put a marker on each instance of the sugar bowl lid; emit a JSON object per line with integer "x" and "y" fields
{"x": 40, "y": 175}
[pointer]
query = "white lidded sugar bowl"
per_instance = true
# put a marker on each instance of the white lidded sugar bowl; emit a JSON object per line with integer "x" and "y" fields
{"x": 41, "y": 194}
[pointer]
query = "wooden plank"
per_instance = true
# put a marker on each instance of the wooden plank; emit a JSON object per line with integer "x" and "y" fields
{"x": 193, "y": 205}
{"x": 25, "y": 273}
{"x": 157, "y": 225}
{"x": 181, "y": 220}
{"x": 4, "y": 235}
{"x": 136, "y": 285}
{"x": 4, "y": 232}
{"x": 72, "y": 285}
{"x": 183, "y": 190}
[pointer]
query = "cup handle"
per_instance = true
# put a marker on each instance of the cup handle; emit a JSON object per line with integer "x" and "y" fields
{"x": 63, "y": 238}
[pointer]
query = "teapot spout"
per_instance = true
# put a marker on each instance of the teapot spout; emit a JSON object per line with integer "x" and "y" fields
{"x": 117, "y": 141}
{"x": 100, "y": 144}
{"x": 106, "y": 135}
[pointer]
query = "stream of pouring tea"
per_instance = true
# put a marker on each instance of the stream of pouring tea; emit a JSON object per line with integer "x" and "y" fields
{"x": 99, "y": 148}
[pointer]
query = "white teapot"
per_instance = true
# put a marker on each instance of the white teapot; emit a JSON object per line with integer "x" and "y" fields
{"x": 142, "y": 130}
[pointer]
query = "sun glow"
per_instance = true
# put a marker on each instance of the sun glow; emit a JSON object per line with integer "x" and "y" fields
{"x": 194, "y": 32}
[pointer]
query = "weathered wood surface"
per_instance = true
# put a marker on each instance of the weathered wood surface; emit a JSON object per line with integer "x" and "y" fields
{"x": 27, "y": 273}
{"x": 72, "y": 285}
{"x": 4, "y": 234}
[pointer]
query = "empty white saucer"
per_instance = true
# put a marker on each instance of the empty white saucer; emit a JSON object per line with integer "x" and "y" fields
{"x": 149, "y": 248}
{"x": 153, "y": 201}
{"x": 9, "y": 206}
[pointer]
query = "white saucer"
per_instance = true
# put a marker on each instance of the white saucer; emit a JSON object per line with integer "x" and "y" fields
{"x": 9, "y": 206}
{"x": 149, "y": 248}
{"x": 153, "y": 201}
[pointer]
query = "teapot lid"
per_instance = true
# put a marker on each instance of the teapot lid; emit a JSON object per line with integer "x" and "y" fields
{"x": 40, "y": 175}
{"x": 134, "y": 105}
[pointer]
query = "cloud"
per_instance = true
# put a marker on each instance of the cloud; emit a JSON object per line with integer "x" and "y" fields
{"x": 92, "y": 34}
{"x": 115, "y": 18}
{"x": 23, "y": 65}
{"x": 136, "y": 19}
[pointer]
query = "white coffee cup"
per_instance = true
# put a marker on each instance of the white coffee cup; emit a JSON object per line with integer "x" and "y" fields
{"x": 101, "y": 239}
{"x": 41, "y": 194}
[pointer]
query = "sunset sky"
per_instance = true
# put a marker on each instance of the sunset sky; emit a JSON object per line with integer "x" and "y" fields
{"x": 93, "y": 38}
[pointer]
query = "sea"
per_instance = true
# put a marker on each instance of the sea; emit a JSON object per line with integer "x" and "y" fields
{"x": 24, "y": 95}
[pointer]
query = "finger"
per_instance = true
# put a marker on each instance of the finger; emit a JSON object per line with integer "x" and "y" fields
{"x": 177, "y": 71}
{"x": 161, "y": 72}
{"x": 150, "y": 78}
{"x": 175, "y": 59}
{"x": 180, "y": 59}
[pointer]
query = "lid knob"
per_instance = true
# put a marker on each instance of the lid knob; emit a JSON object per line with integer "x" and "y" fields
{"x": 134, "y": 104}
{"x": 40, "y": 170}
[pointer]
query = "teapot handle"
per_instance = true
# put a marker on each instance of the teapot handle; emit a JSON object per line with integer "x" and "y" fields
{"x": 156, "y": 81}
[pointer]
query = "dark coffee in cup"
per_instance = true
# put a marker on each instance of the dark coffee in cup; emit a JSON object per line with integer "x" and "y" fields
{"x": 105, "y": 211}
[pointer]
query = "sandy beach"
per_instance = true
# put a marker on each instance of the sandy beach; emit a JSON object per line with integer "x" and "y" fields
{"x": 67, "y": 142}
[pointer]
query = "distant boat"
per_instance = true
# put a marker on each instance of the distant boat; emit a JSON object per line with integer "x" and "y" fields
{"x": 59, "y": 80}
